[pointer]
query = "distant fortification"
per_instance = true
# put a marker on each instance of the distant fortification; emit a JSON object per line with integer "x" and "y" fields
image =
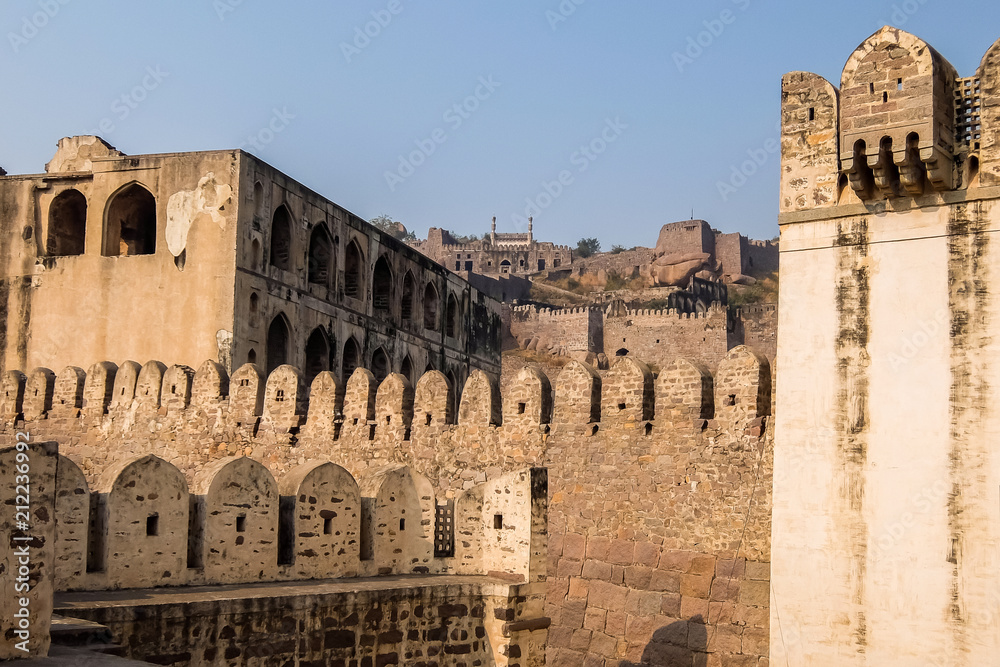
{"x": 598, "y": 335}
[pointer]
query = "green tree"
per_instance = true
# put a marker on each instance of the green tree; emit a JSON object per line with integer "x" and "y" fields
{"x": 587, "y": 247}
{"x": 393, "y": 228}
{"x": 462, "y": 239}
{"x": 616, "y": 249}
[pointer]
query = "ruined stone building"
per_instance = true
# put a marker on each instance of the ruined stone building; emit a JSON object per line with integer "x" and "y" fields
{"x": 886, "y": 468}
{"x": 692, "y": 248}
{"x": 217, "y": 255}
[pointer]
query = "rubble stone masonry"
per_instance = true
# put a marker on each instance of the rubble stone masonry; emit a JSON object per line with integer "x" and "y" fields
{"x": 659, "y": 488}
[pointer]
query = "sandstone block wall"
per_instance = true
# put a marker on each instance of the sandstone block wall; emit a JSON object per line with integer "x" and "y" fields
{"x": 658, "y": 468}
{"x": 566, "y": 330}
{"x": 757, "y": 327}
{"x": 661, "y": 336}
{"x": 422, "y": 623}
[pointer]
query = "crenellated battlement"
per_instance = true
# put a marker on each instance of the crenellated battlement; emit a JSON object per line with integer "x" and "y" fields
{"x": 902, "y": 124}
{"x": 154, "y": 397}
{"x": 714, "y": 310}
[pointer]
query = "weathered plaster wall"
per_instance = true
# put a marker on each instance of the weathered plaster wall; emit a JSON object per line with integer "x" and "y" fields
{"x": 885, "y": 477}
{"x": 85, "y": 308}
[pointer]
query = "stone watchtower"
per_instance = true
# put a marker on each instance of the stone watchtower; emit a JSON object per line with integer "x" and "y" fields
{"x": 886, "y": 512}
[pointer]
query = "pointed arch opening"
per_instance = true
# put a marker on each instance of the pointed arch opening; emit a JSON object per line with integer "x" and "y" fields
{"x": 452, "y": 317}
{"x": 281, "y": 239}
{"x": 380, "y": 365}
{"x": 409, "y": 294}
{"x": 67, "y": 224}
{"x": 353, "y": 261}
{"x": 130, "y": 227}
{"x": 254, "y": 309}
{"x": 258, "y": 199}
{"x": 278, "y": 336}
{"x": 406, "y": 369}
{"x": 317, "y": 355}
{"x": 382, "y": 287}
{"x": 350, "y": 358}
{"x": 431, "y": 307}
{"x": 320, "y": 256}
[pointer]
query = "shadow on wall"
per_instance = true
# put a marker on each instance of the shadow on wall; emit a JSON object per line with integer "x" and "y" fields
{"x": 680, "y": 644}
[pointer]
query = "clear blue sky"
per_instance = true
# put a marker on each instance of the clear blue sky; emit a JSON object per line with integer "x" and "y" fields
{"x": 663, "y": 134}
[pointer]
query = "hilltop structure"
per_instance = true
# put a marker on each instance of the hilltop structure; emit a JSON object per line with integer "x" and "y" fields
{"x": 692, "y": 248}
{"x": 218, "y": 255}
{"x": 495, "y": 255}
{"x": 885, "y": 517}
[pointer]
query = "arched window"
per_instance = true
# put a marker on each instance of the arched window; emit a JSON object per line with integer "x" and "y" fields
{"x": 409, "y": 292}
{"x": 254, "y": 308}
{"x": 281, "y": 239}
{"x": 451, "y": 318}
{"x": 353, "y": 261}
{"x": 277, "y": 343}
{"x": 131, "y": 223}
{"x": 351, "y": 357}
{"x": 406, "y": 369}
{"x": 320, "y": 256}
{"x": 505, "y": 266}
{"x": 317, "y": 355}
{"x": 252, "y": 356}
{"x": 380, "y": 365}
{"x": 382, "y": 287}
{"x": 255, "y": 255}
{"x": 258, "y": 200}
{"x": 67, "y": 224}
{"x": 430, "y": 307}
{"x": 456, "y": 393}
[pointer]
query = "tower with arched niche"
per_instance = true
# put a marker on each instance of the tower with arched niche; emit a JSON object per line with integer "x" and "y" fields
{"x": 885, "y": 469}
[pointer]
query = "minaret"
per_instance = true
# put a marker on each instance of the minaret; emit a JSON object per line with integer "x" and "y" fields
{"x": 493, "y": 231}
{"x": 530, "y": 222}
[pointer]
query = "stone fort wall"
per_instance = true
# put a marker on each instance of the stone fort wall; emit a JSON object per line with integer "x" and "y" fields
{"x": 659, "y": 337}
{"x": 659, "y": 488}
